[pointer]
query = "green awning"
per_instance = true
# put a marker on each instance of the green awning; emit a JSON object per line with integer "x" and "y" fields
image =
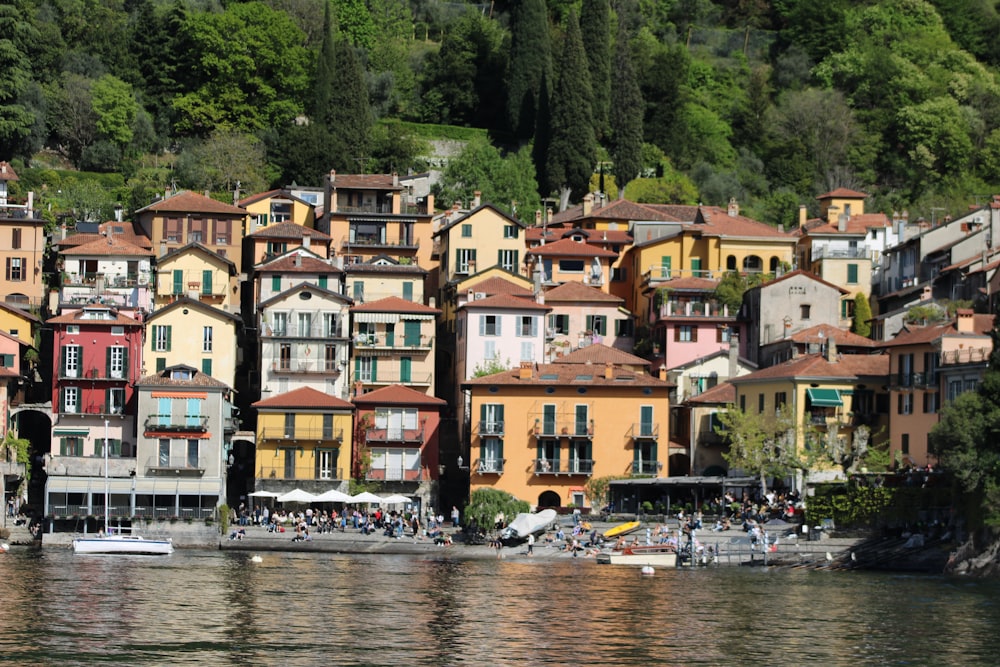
{"x": 71, "y": 431}
{"x": 824, "y": 398}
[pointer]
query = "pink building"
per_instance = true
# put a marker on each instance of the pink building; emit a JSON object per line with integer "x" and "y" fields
{"x": 687, "y": 323}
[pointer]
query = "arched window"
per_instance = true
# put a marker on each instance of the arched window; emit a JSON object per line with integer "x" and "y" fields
{"x": 753, "y": 264}
{"x": 775, "y": 262}
{"x": 731, "y": 263}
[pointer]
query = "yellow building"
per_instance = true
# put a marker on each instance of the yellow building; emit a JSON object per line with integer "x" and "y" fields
{"x": 279, "y": 238}
{"x": 393, "y": 344}
{"x": 303, "y": 441}
{"x": 195, "y": 272}
{"x": 572, "y": 259}
{"x": 384, "y": 276}
{"x": 541, "y": 431}
{"x": 193, "y": 333}
{"x": 274, "y": 207}
{"x": 471, "y": 242}
{"x": 18, "y": 323}
{"x": 828, "y": 395}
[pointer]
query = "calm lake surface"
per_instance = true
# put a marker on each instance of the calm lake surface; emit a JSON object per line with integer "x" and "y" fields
{"x": 220, "y": 608}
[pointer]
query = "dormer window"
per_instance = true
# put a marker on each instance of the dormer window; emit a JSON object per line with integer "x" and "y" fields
{"x": 181, "y": 374}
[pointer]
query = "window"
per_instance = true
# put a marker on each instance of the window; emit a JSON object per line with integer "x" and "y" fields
{"x": 743, "y": 403}
{"x": 330, "y": 357}
{"x": 411, "y": 333}
{"x": 285, "y": 356}
{"x": 527, "y": 351}
{"x": 723, "y": 334}
{"x": 196, "y": 230}
{"x": 623, "y": 327}
{"x": 305, "y": 324}
{"x": 619, "y": 275}
{"x": 222, "y": 231}
{"x": 161, "y": 338}
{"x": 406, "y": 370}
{"x": 665, "y": 267}
{"x": 327, "y": 427}
{"x": 930, "y": 368}
{"x": 490, "y": 455}
{"x": 852, "y": 274}
{"x": 326, "y": 463}
{"x": 206, "y": 283}
{"x": 192, "y": 453}
{"x": 161, "y": 364}
{"x": 365, "y": 368}
{"x": 71, "y": 446}
{"x": 598, "y": 324}
{"x": 408, "y": 291}
{"x": 276, "y": 248}
{"x": 366, "y": 333}
{"x": 905, "y": 370}
{"x": 15, "y": 238}
{"x": 116, "y": 401}
{"x": 206, "y": 366}
{"x": 178, "y": 282}
{"x": 780, "y": 401}
{"x": 358, "y": 290}
{"x": 930, "y": 402}
{"x": 847, "y": 308}
{"x": 465, "y": 259}
{"x": 71, "y": 400}
{"x": 686, "y": 333}
{"x": 489, "y": 325}
{"x": 276, "y": 283}
{"x": 330, "y": 325}
{"x": 510, "y": 231}
{"x": 71, "y": 361}
{"x": 760, "y": 403}
{"x": 804, "y": 311}
{"x": 571, "y": 265}
{"x": 490, "y": 349}
{"x": 322, "y": 281}
{"x": 507, "y": 259}
{"x": 905, "y": 444}
{"x": 904, "y": 404}
{"x": 466, "y": 231}
{"x": 15, "y": 268}
{"x": 279, "y": 324}
{"x": 527, "y": 326}
{"x": 117, "y": 356}
{"x": 646, "y": 421}
{"x": 172, "y": 230}
{"x": 559, "y": 324}
{"x": 206, "y": 339}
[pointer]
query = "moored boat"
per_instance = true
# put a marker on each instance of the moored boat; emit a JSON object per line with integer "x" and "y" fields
{"x": 656, "y": 554}
{"x": 622, "y": 529}
{"x": 122, "y": 544}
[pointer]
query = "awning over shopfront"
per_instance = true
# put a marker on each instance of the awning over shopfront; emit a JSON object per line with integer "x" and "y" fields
{"x": 824, "y": 398}
{"x": 185, "y": 487}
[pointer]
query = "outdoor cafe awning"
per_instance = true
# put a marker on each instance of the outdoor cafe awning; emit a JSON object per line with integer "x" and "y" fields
{"x": 824, "y": 398}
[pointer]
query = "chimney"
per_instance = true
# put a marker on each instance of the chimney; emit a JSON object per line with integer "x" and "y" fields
{"x": 525, "y": 371}
{"x": 208, "y": 193}
{"x": 734, "y": 208}
{"x": 831, "y": 349}
{"x": 609, "y": 371}
{"x": 663, "y": 373}
{"x": 965, "y": 320}
{"x": 734, "y": 356}
{"x": 306, "y": 241}
{"x": 236, "y": 194}
{"x": 842, "y": 222}
{"x": 359, "y": 389}
{"x": 477, "y": 197}
{"x": 538, "y": 219}
{"x": 29, "y": 210}
{"x": 167, "y": 192}
{"x": 803, "y": 215}
{"x": 395, "y": 180}
{"x": 588, "y": 203}
{"x": 163, "y": 248}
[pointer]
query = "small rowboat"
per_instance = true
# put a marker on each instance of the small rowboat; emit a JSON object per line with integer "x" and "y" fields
{"x": 622, "y": 529}
{"x": 657, "y": 554}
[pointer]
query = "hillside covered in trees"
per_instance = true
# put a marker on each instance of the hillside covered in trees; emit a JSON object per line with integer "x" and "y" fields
{"x": 771, "y": 102}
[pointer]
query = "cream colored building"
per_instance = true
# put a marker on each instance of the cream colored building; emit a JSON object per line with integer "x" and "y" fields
{"x": 196, "y": 334}
{"x": 483, "y": 237}
{"x": 197, "y": 273}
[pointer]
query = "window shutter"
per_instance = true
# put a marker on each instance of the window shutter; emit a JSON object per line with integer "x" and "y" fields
{"x": 534, "y": 326}
{"x": 178, "y": 281}
{"x": 516, "y": 265}
{"x": 107, "y": 362}
{"x": 408, "y": 291}
{"x": 62, "y": 361}
{"x": 62, "y": 400}
{"x": 8, "y": 268}
{"x": 694, "y": 334}
{"x": 589, "y": 326}
{"x": 125, "y": 371}
{"x": 374, "y": 369}
{"x": 677, "y": 334}
{"x": 161, "y": 363}
{"x": 276, "y": 283}
{"x": 499, "y": 322}
{"x": 357, "y": 367}
{"x": 498, "y": 411}
{"x": 206, "y": 282}
{"x": 206, "y": 366}
{"x": 168, "y": 328}
{"x": 482, "y": 414}
{"x": 482, "y": 325}
{"x": 322, "y": 284}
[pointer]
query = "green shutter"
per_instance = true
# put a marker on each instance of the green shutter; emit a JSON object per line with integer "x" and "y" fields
{"x": 276, "y": 283}
{"x": 161, "y": 363}
{"x": 359, "y": 290}
{"x": 411, "y": 333}
{"x": 852, "y": 273}
{"x": 665, "y": 266}
{"x": 405, "y": 369}
{"x": 206, "y": 366}
{"x": 322, "y": 285}
{"x": 408, "y": 291}
{"x": 374, "y": 369}
{"x": 178, "y": 281}
{"x": 206, "y": 282}
{"x": 168, "y": 328}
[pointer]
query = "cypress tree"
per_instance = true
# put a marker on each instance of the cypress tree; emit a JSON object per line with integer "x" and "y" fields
{"x": 595, "y": 26}
{"x": 862, "y": 313}
{"x": 626, "y": 117}
{"x": 349, "y": 116}
{"x": 573, "y": 147}
{"x": 540, "y": 147}
{"x": 325, "y": 68}
{"x": 530, "y": 62}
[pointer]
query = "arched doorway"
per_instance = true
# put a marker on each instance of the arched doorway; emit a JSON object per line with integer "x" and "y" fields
{"x": 753, "y": 264}
{"x": 549, "y": 499}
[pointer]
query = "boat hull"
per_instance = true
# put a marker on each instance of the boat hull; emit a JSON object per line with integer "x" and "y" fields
{"x": 640, "y": 557}
{"x": 622, "y": 529}
{"x": 122, "y": 545}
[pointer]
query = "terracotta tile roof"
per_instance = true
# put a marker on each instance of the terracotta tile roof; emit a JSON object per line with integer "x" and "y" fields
{"x": 571, "y": 375}
{"x": 123, "y": 230}
{"x": 912, "y": 334}
{"x": 397, "y": 394}
{"x": 842, "y": 193}
{"x": 279, "y": 193}
{"x": 857, "y": 225}
{"x": 600, "y": 354}
{"x": 505, "y": 302}
{"x": 801, "y": 272}
{"x": 394, "y": 304}
{"x": 112, "y": 246}
{"x": 307, "y": 263}
{"x": 690, "y": 284}
{"x": 305, "y": 398}
{"x": 570, "y": 248}
{"x": 576, "y": 291}
{"x": 815, "y": 366}
{"x": 365, "y": 182}
{"x": 619, "y": 209}
{"x": 20, "y": 313}
{"x": 716, "y": 221}
{"x": 676, "y": 212}
{"x": 199, "y": 248}
{"x": 7, "y": 172}
{"x": 77, "y": 317}
{"x": 187, "y": 302}
{"x": 724, "y": 394}
{"x": 824, "y": 332}
{"x": 288, "y": 230}
{"x": 496, "y": 285}
{"x": 198, "y": 379}
{"x": 534, "y": 235}
{"x": 465, "y": 217}
{"x": 192, "y": 202}
{"x": 306, "y": 287}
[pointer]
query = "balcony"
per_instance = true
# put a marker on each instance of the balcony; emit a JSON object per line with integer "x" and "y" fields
{"x": 490, "y": 428}
{"x": 556, "y": 467}
{"x": 127, "y": 281}
{"x": 376, "y": 242}
{"x": 568, "y": 429}
{"x": 707, "y": 309}
{"x": 99, "y": 374}
{"x": 179, "y": 423}
{"x": 395, "y": 435}
{"x": 305, "y": 366}
{"x": 826, "y": 252}
{"x": 646, "y": 467}
{"x": 489, "y": 466}
{"x": 176, "y": 465}
{"x": 280, "y": 472}
{"x": 393, "y": 377}
{"x": 313, "y": 434}
{"x": 318, "y": 330}
{"x": 645, "y": 431}
{"x": 396, "y": 474}
{"x": 977, "y": 355}
{"x": 401, "y": 344}
{"x": 661, "y": 273}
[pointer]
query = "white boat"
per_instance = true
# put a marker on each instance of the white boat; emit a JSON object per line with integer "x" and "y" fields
{"x": 122, "y": 544}
{"x": 110, "y": 543}
{"x": 526, "y": 523}
{"x": 657, "y": 554}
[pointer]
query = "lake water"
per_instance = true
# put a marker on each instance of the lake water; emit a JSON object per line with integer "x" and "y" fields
{"x": 220, "y": 608}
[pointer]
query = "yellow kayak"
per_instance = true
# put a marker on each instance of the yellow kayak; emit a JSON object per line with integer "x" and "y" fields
{"x": 622, "y": 529}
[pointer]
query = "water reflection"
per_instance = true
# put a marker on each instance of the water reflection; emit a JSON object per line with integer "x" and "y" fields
{"x": 304, "y": 609}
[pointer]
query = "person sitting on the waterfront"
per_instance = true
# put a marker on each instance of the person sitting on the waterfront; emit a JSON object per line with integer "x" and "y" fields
{"x": 443, "y": 540}
{"x": 238, "y": 534}
{"x": 560, "y": 535}
{"x": 619, "y": 543}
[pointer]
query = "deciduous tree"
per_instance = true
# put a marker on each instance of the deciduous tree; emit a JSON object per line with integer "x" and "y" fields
{"x": 760, "y": 444}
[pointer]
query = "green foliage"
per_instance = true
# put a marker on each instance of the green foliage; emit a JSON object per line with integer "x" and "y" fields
{"x": 115, "y": 108}
{"x": 928, "y": 314}
{"x": 731, "y": 287}
{"x": 217, "y": 163}
{"x": 394, "y": 149}
{"x": 485, "y": 504}
{"x": 626, "y": 117}
{"x": 759, "y": 444}
{"x": 862, "y": 314}
{"x": 595, "y": 27}
{"x": 431, "y": 131}
{"x": 501, "y": 179}
{"x": 597, "y": 490}
{"x": 223, "y": 512}
{"x": 529, "y": 64}
{"x": 490, "y": 367}
{"x": 18, "y": 450}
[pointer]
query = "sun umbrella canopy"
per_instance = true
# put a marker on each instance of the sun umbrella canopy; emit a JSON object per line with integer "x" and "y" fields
{"x": 366, "y": 497}
{"x": 297, "y": 496}
{"x": 333, "y": 496}
{"x": 396, "y": 499}
{"x": 264, "y": 494}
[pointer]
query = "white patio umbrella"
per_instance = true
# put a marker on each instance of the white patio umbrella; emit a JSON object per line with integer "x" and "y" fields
{"x": 396, "y": 499}
{"x": 264, "y": 494}
{"x": 296, "y": 496}
{"x": 332, "y": 496}
{"x": 366, "y": 497}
